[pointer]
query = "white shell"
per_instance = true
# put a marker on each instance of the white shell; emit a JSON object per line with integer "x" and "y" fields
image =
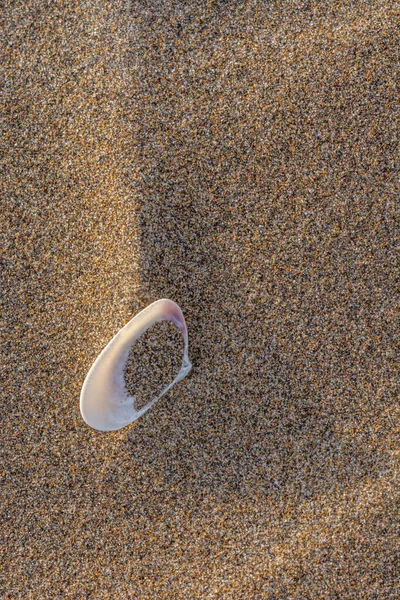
{"x": 105, "y": 403}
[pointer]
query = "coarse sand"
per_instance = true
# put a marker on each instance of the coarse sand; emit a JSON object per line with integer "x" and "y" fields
{"x": 240, "y": 158}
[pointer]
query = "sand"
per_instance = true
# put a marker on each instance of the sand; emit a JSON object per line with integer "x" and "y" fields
{"x": 240, "y": 159}
{"x": 153, "y": 363}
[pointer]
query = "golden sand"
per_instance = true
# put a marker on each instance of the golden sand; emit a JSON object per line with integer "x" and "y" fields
{"x": 240, "y": 159}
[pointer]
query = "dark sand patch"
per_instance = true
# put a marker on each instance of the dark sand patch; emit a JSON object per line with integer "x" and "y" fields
{"x": 153, "y": 362}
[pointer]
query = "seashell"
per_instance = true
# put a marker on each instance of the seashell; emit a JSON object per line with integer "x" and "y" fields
{"x": 105, "y": 404}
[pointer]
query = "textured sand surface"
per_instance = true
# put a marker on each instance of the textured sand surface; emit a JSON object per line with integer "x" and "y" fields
{"x": 240, "y": 159}
{"x": 154, "y": 361}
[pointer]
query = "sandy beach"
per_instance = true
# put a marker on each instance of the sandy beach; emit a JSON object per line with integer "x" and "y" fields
{"x": 241, "y": 159}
